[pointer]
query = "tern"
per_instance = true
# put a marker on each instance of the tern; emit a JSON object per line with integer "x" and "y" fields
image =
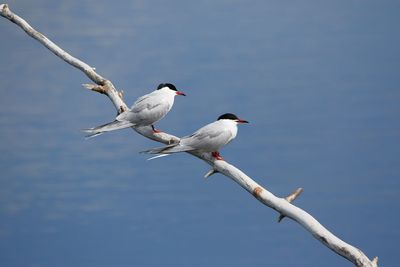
{"x": 146, "y": 111}
{"x": 210, "y": 138}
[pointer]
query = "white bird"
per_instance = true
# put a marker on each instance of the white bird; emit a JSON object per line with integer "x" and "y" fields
{"x": 210, "y": 138}
{"x": 147, "y": 110}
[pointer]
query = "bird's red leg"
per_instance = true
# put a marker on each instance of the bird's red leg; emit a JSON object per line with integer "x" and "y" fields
{"x": 216, "y": 155}
{"x": 155, "y": 130}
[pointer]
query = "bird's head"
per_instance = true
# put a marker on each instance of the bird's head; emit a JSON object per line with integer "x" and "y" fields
{"x": 232, "y": 117}
{"x": 171, "y": 87}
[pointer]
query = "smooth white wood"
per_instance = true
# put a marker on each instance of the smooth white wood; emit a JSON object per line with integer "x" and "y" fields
{"x": 281, "y": 205}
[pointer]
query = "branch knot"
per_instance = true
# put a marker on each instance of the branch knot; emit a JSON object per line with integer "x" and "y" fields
{"x": 257, "y": 192}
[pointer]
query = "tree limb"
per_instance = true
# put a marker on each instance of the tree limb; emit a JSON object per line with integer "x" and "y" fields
{"x": 281, "y": 205}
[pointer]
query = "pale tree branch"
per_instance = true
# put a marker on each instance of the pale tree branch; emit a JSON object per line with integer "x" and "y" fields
{"x": 282, "y": 205}
{"x": 291, "y": 198}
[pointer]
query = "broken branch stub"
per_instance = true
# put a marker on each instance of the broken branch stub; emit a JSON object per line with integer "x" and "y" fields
{"x": 290, "y": 198}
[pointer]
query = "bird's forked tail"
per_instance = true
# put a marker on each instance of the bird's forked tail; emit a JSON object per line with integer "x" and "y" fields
{"x": 112, "y": 126}
{"x": 167, "y": 150}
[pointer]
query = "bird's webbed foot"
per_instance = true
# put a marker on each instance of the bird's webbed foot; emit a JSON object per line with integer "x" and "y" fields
{"x": 155, "y": 130}
{"x": 216, "y": 155}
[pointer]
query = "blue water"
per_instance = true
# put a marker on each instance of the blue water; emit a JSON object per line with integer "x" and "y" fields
{"x": 319, "y": 82}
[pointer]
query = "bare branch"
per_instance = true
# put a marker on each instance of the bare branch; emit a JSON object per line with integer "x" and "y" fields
{"x": 95, "y": 87}
{"x": 290, "y": 198}
{"x": 210, "y": 172}
{"x": 89, "y": 71}
{"x": 281, "y": 205}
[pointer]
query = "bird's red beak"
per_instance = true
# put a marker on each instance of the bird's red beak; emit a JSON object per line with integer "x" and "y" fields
{"x": 180, "y": 93}
{"x": 241, "y": 121}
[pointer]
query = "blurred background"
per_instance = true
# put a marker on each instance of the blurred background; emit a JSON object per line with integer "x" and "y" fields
{"x": 318, "y": 80}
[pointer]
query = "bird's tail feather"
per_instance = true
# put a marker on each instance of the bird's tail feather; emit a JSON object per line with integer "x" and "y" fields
{"x": 159, "y": 150}
{"x": 93, "y": 135}
{"x": 159, "y": 156}
{"x": 169, "y": 149}
{"x": 115, "y": 125}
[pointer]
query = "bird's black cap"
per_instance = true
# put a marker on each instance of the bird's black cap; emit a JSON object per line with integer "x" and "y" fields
{"x": 169, "y": 85}
{"x": 230, "y": 116}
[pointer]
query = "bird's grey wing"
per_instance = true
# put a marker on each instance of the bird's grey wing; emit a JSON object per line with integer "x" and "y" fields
{"x": 207, "y": 131}
{"x": 149, "y": 102}
{"x": 147, "y": 109}
{"x": 208, "y": 137}
{"x": 141, "y": 101}
{"x": 137, "y": 105}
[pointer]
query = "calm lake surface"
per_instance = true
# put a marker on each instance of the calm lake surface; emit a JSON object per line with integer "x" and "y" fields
{"x": 318, "y": 81}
